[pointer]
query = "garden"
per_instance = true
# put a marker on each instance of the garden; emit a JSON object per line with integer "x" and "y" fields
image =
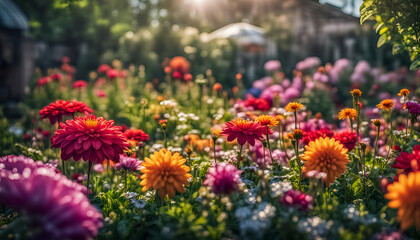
{"x": 186, "y": 146}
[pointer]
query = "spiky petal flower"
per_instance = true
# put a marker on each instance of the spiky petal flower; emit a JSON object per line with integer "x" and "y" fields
{"x": 223, "y": 178}
{"x": 128, "y": 163}
{"x": 347, "y": 113}
{"x": 90, "y": 138}
{"x": 386, "y": 104}
{"x": 297, "y": 199}
{"x": 403, "y": 92}
{"x": 244, "y": 131}
{"x": 404, "y": 194}
{"x": 268, "y": 121}
{"x": 165, "y": 173}
{"x": 55, "y": 207}
{"x": 293, "y": 107}
{"x": 326, "y": 155}
{"x": 56, "y": 110}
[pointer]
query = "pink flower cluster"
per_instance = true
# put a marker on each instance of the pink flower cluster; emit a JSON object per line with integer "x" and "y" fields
{"x": 297, "y": 199}
{"x": 56, "y": 208}
{"x": 223, "y": 178}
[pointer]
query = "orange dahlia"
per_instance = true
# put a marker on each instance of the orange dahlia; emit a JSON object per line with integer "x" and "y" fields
{"x": 386, "y": 104}
{"x": 268, "y": 121}
{"x": 165, "y": 173}
{"x": 403, "y": 92}
{"x": 293, "y": 107}
{"x": 405, "y": 195}
{"x": 347, "y": 113}
{"x": 356, "y": 93}
{"x": 326, "y": 155}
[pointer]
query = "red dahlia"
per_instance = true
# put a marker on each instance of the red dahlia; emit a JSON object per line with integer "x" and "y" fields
{"x": 347, "y": 138}
{"x": 90, "y": 138}
{"x": 314, "y": 135}
{"x": 56, "y": 110}
{"x": 244, "y": 131}
{"x": 408, "y": 162}
{"x": 136, "y": 135}
{"x": 258, "y": 104}
{"x": 79, "y": 84}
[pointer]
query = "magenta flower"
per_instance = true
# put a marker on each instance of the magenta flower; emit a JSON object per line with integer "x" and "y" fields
{"x": 223, "y": 178}
{"x": 413, "y": 108}
{"x": 297, "y": 199}
{"x": 272, "y": 65}
{"x": 128, "y": 163}
{"x": 55, "y": 207}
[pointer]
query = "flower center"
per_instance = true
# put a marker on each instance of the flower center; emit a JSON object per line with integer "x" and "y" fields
{"x": 91, "y": 123}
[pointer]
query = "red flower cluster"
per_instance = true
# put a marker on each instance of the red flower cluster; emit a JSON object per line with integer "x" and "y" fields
{"x": 180, "y": 68}
{"x": 56, "y": 110}
{"x": 103, "y": 68}
{"x": 47, "y": 79}
{"x": 136, "y": 135}
{"x": 90, "y": 138}
{"x": 258, "y": 104}
{"x": 314, "y": 135}
{"x": 79, "y": 84}
{"x": 347, "y": 138}
{"x": 408, "y": 162}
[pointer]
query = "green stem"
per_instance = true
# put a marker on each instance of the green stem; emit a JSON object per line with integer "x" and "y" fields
{"x": 164, "y": 135}
{"x": 125, "y": 180}
{"x": 88, "y": 177}
{"x": 296, "y": 147}
{"x": 390, "y": 134}
{"x": 238, "y": 161}
{"x": 376, "y": 149}
{"x": 268, "y": 145}
{"x": 214, "y": 151}
{"x": 296, "y": 120}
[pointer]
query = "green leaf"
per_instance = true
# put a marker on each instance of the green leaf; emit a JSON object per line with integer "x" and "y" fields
{"x": 382, "y": 40}
{"x": 397, "y": 48}
{"x": 415, "y": 64}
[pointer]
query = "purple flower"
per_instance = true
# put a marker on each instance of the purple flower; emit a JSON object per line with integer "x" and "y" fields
{"x": 413, "y": 108}
{"x": 55, "y": 206}
{"x": 128, "y": 163}
{"x": 272, "y": 65}
{"x": 297, "y": 199}
{"x": 223, "y": 178}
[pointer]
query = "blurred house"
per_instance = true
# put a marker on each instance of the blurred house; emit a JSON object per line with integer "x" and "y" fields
{"x": 16, "y": 52}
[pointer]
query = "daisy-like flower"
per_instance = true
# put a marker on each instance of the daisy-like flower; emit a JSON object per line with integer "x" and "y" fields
{"x": 56, "y": 110}
{"x": 268, "y": 121}
{"x": 386, "y": 104}
{"x": 55, "y": 207}
{"x": 326, "y": 155}
{"x": 244, "y": 131}
{"x": 128, "y": 164}
{"x": 90, "y": 138}
{"x": 356, "y": 93}
{"x": 136, "y": 136}
{"x": 404, "y": 194}
{"x": 165, "y": 173}
{"x": 403, "y": 92}
{"x": 223, "y": 178}
{"x": 293, "y": 107}
{"x": 347, "y": 113}
{"x": 413, "y": 108}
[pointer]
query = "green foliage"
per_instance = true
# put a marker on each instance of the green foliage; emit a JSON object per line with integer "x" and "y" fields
{"x": 398, "y": 22}
{"x": 6, "y": 138}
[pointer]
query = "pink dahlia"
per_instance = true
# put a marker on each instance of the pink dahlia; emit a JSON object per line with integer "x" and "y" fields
{"x": 112, "y": 74}
{"x": 54, "y": 206}
{"x": 79, "y": 84}
{"x": 347, "y": 138}
{"x": 223, "y": 178}
{"x": 90, "y": 138}
{"x": 297, "y": 199}
{"x": 136, "y": 135}
{"x": 128, "y": 163}
{"x": 272, "y": 65}
{"x": 103, "y": 68}
{"x": 56, "y": 110}
{"x": 244, "y": 131}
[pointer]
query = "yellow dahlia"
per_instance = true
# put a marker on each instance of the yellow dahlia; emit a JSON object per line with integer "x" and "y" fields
{"x": 405, "y": 195}
{"x": 326, "y": 155}
{"x": 165, "y": 173}
{"x": 293, "y": 107}
{"x": 268, "y": 121}
{"x": 386, "y": 104}
{"x": 349, "y": 113}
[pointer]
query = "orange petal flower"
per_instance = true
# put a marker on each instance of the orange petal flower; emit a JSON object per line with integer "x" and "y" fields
{"x": 356, "y": 93}
{"x": 326, "y": 155}
{"x": 386, "y": 104}
{"x": 403, "y": 92}
{"x": 267, "y": 121}
{"x": 349, "y": 113}
{"x": 293, "y": 107}
{"x": 165, "y": 173}
{"x": 405, "y": 195}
